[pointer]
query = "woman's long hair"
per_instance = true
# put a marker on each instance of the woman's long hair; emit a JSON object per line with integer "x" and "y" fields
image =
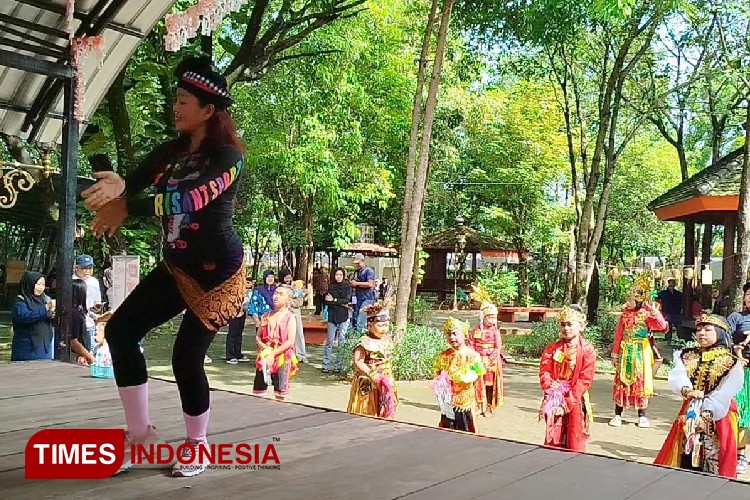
{"x": 79, "y": 293}
{"x": 220, "y": 131}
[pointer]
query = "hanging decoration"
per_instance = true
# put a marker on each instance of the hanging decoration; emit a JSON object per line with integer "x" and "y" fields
{"x": 70, "y": 9}
{"x": 206, "y": 15}
{"x": 81, "y": 47}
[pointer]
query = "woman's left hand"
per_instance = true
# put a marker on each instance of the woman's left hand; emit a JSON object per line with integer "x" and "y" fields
{"x": 109, "y": 218}
{"x": 108, "y": 187}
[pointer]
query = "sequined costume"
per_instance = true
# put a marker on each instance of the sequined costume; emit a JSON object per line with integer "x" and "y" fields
{"x": 488, "y": 343}
{"x": 634, "y": 383}
{"x": 464, "y": 370}
{"x": 572, "y": 366}
{"x": 714, "y": 371}
{"x": 364, "y": 395}
{"x": 486, "y": 340}
{"x": 373, "y": 391}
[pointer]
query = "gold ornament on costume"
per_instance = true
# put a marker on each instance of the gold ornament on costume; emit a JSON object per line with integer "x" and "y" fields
{"x": 455, "y": 325}
{"x": 568, "y": 314}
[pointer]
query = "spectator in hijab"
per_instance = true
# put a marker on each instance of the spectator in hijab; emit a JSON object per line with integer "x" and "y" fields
{"x": 33, "y": 314}
{"x": 261, "y": 301}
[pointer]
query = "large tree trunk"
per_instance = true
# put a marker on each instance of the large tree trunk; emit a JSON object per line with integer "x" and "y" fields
{"x": 409, "y": 238}
{"x": 418, "y": 248}
{"x": 416, "y": 119}
{"x": 305, "y": 262}
{"x": 742, "y": 259}
{"x": 118, "y": 115}
{"x": 606, "y": 151}
{"x": 523, "y": 274}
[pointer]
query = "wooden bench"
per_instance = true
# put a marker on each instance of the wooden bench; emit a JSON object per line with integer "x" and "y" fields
{"x": 507, "y": 314}
{"x": 539, "y": 314}
{"x": 316, "y": 330}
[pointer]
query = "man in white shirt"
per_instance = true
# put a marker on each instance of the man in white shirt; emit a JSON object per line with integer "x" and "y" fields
{"x": 84, "y": 270}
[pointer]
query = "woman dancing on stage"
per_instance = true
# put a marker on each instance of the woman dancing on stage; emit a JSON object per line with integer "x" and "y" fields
{"x": 203, "y": 273}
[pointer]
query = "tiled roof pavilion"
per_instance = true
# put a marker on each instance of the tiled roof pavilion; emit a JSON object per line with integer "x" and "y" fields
{"x": 707, "y": 196}
{"x": 710, "y": 197}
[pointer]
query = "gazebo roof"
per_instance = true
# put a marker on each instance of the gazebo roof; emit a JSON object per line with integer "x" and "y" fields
{"x": 35, "y": 57}
{"x": 713, "y": 189}
{"x": 447, "y": 239}
{"x": 368, "y": 248}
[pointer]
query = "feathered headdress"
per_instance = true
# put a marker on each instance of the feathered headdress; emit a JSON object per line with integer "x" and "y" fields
{"x": 455, "y": 325}
{"x": 380, "y": 310}
{"x": 642, "y": 286}
{"x": 480, "y": 294}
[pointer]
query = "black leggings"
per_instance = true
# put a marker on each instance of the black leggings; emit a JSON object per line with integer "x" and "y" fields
{"x": 234, "y": 337}
{"x": 153, "y": 302}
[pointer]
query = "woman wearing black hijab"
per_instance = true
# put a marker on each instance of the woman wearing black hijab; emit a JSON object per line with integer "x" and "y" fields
{"x": 33, "y": 313}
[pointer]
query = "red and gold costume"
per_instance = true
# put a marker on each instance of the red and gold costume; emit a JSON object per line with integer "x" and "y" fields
{"x": 486, "y": 340}
{"x": 713, "y": 371}
{"x": 488, "y": 343}
{"x": 634, "y": 376}
{"x": 463, "y": 370}
{"x": 566, "y": 371}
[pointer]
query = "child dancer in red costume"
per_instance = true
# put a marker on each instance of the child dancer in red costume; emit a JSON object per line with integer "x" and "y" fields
{"x": 565, "y": 374}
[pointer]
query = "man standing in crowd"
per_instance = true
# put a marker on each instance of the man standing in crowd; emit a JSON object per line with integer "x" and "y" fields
{"x": 364, "y": 289}
{"x": 671, "y": 306}
{"x": 84, "y": 270}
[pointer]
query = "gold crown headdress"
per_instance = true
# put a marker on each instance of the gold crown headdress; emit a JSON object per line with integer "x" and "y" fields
{"x": 455, "y": 325}
{"x": 481, "y": 295}
{"x": 713, "y": 319}
{"x": 641, "y": 287}
{"x": 568, "y": 314}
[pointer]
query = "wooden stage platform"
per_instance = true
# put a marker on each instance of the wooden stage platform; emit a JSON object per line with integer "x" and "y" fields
{"x": 324, "y": 454}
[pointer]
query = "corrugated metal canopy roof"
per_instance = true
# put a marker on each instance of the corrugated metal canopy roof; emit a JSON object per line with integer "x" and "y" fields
{"x": 36, "y": 28}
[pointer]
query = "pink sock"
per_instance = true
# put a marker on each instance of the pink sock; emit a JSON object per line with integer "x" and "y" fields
{"x": 196, "y": 427}
{"x": 135, "y": 403}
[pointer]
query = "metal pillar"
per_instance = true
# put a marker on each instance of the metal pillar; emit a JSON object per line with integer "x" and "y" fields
{"x": 67, "y": 220}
